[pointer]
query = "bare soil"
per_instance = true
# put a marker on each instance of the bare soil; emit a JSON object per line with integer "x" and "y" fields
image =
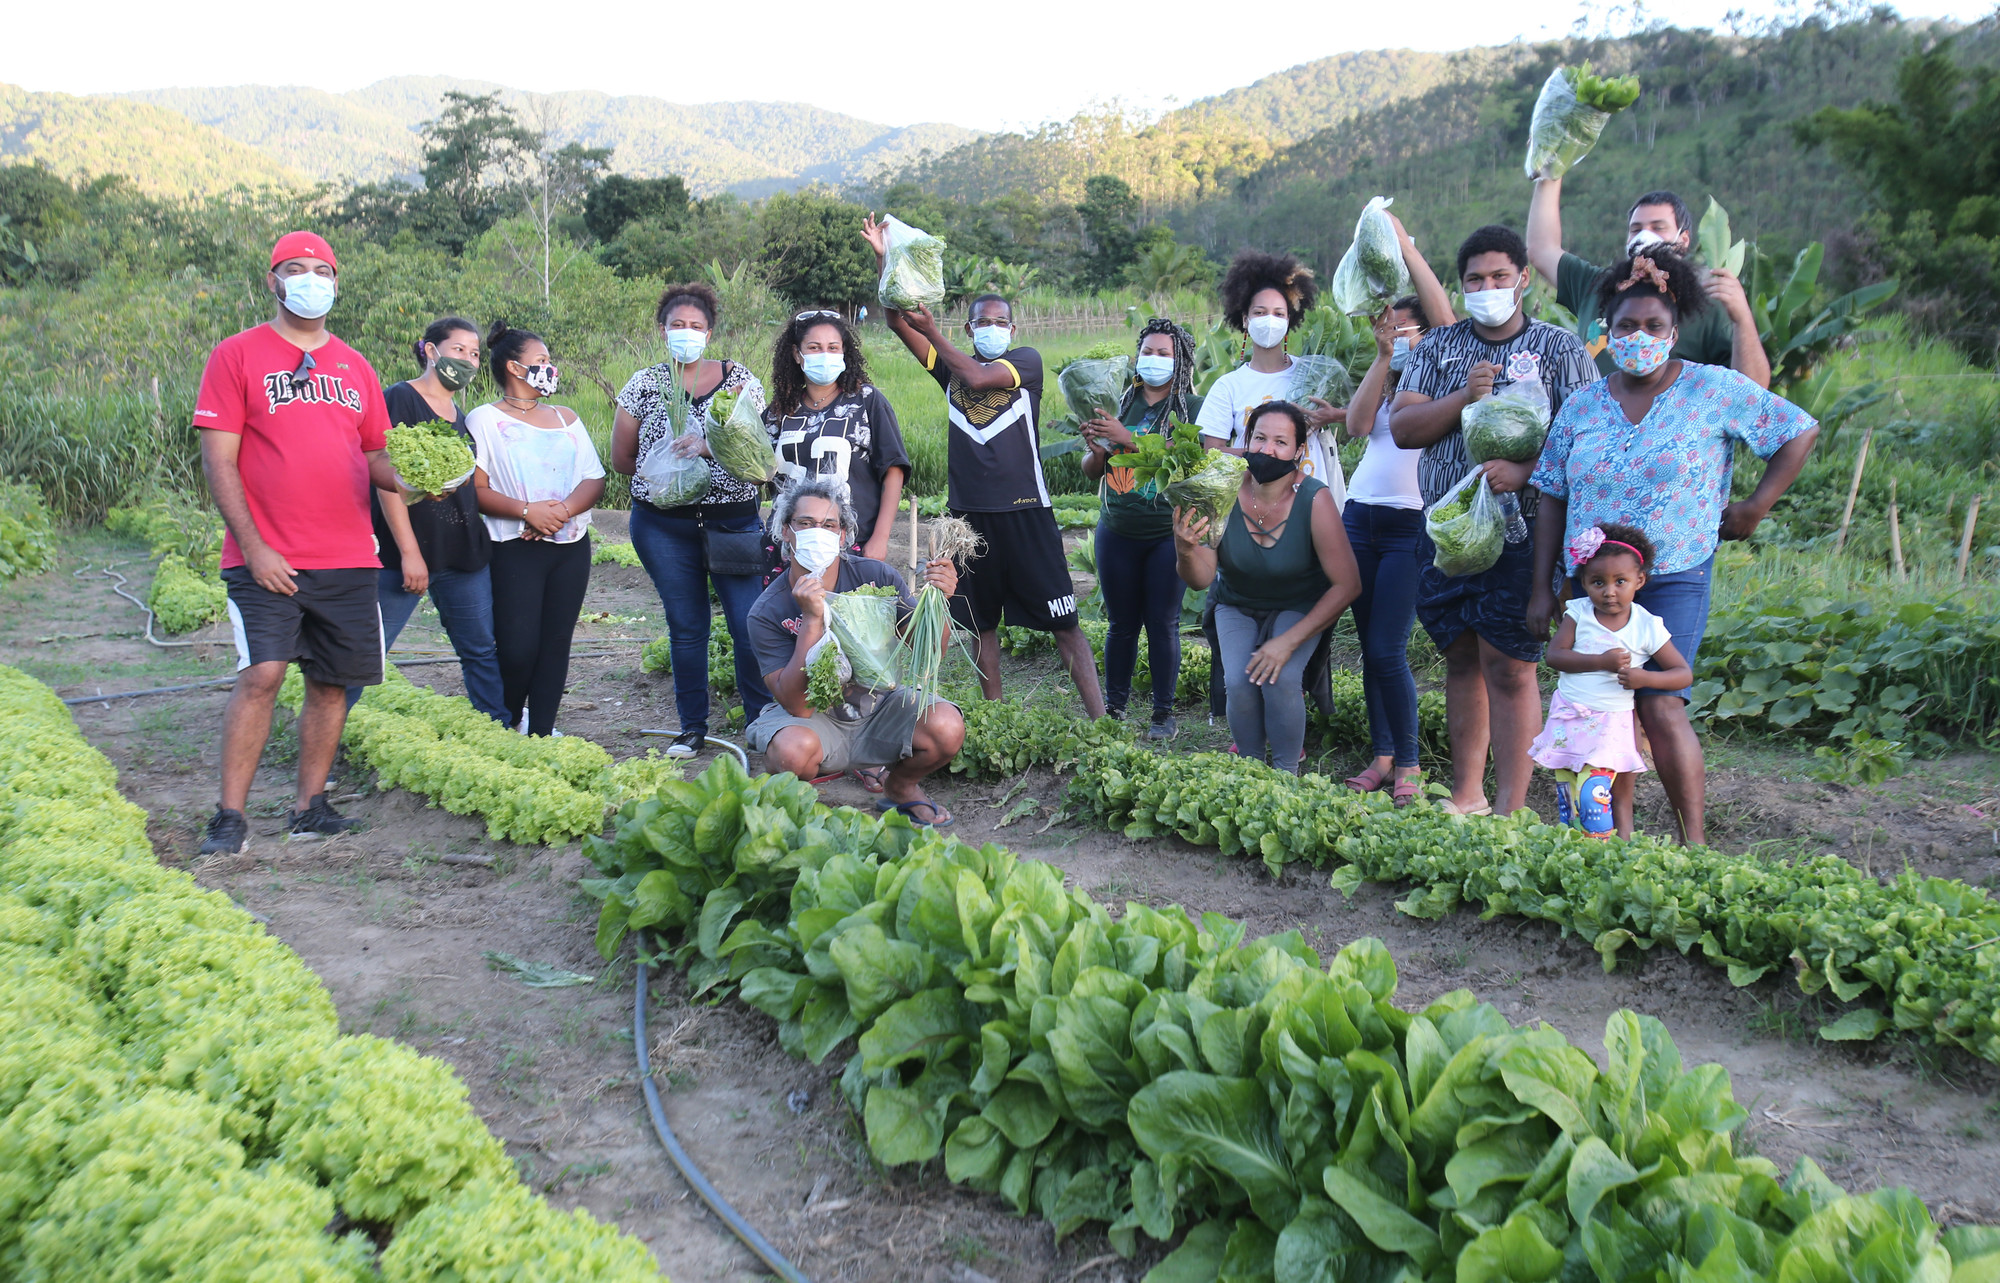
{"x": 397, "y": 933}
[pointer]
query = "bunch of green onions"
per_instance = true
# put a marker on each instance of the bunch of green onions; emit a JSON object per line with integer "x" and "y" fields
{"x": 930, "y": 622}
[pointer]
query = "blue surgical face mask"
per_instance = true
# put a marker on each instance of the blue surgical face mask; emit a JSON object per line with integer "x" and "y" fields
{"x": 822, "y": 368}
{"x": 1399, "y": 353}
{"x": 1155, "y": 370}
{"x": 992, "y": 341}
{"x": 686, "y": 346}
{"x": 309, "y": 295}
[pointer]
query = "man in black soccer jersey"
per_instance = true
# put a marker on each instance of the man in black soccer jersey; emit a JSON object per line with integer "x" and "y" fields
{"x": 993, "y": 403}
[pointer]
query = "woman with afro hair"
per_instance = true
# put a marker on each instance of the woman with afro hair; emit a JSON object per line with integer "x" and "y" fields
{"x": 1266, "y": 296}
{"x": 1652, "y": 446}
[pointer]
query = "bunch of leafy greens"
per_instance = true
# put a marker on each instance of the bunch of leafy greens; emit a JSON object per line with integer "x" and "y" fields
{"x": 1511, "y": 424}
{"x": 674, "y": 480}
{"x": 1372, "y": 273}
{"x": 863, "y": 623}
{"x": 1159, "y": 458}
{"x": 1467, "y": 526}
{"x": 823, "y": 684}
{"x": 1569, "y": 115}
{"x": 1091, "y": 388}
{"x": 737, "y": 439}
{"x": 1158, "y": 1073}
{"x": 27, "y": 542}
{"x": 430, "y": 457}
{"x": 912, "y": 268}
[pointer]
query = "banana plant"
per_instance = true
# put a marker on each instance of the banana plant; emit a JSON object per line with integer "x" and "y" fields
{"x": 1798, "y": 332}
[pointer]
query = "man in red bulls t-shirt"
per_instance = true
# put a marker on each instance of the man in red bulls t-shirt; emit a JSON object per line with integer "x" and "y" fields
{"x": 293, "y": 427}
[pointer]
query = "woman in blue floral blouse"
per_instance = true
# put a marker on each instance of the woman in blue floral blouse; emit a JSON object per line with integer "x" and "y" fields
{"x": 1651, "y": 446}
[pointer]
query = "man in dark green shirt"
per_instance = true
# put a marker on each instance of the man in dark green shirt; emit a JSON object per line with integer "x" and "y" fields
{"x": 1725, "y": 334}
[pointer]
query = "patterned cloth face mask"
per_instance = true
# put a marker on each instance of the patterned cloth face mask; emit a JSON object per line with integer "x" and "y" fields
{"x": 542, "y": 378}
{"x": 1640, "y": 353}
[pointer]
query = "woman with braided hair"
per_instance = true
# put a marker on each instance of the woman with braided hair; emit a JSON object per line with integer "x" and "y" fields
{"x": 1651, "y": 446}
{"x": 1135, "y": 526}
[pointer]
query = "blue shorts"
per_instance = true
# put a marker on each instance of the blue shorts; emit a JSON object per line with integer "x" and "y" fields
{"x": 1680, "y": 599}
{"x": 1492, "y": 604}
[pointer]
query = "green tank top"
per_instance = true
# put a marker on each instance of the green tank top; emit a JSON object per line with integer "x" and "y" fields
{"x": 1285, "y": 576}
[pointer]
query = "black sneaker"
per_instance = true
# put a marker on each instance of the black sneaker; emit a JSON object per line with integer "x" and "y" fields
{"x": 228, "y": 833}
{"x": 1163, "y": 727}
{"x": 1116, "y": 712}
{"x": 686, "y": 744}
{"x": 317, "y": 821}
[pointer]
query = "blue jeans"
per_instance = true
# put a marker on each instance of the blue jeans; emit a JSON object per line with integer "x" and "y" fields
{"x": 464, "y": 600}
{"x": 1680, "y": 598}
{"x": 1141, "y": 587}
{"x": 670, "y": 548}
{"x": 1385, "y": 548}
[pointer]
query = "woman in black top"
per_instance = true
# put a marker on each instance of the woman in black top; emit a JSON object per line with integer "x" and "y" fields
{"x": 440, "y": 546}
{"x": 827, "y": 421}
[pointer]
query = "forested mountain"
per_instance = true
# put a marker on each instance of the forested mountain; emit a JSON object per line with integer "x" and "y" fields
{"x": 751, "y": 148}
{"x": 1290, "y": 104}
{"x": 161, "y": 152}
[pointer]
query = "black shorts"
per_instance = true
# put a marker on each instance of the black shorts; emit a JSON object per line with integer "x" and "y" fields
{"x": 1022, "y": 576}
{"x": 331, "y": 627}
{"x": 1492, "y": 604}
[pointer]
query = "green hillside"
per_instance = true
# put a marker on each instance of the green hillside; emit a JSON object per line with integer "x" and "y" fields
{"x": 1305, "y": 99}
{"x": 162, "y": 152}
{"x": 751, "y": 148}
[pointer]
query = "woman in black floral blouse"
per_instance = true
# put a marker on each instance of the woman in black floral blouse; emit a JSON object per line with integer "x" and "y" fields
{"x": 717, "y": 539}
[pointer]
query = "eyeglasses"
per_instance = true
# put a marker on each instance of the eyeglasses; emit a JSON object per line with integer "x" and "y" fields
{"x": 981, "y": 322}
{"x": 818, "y": 311}
{"x": 306, "y": 366}
{"x": 803, "y": 524}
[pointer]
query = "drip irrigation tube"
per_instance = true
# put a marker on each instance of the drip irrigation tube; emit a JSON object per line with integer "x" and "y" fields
{"x": 743, "y": 1230}
{"x": 737, "y": 749}
{"x": 110, "y": 571}
{"x": 151, "y": 690}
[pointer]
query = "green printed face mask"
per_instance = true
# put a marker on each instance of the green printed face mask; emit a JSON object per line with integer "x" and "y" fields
{"x": 454, "y": 372}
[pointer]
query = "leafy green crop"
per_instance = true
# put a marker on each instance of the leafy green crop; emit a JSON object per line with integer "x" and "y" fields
{"x": 1004, "y": 738}
{"x": 430, "y": 457}
{"x": 1570, "y": 113}
{"x": 183, "y": 601}
{"x": 823, "y": 685}
{"x": 609, "y": 552}
{"x": 863, "y": 624}
{"x": 176, "y": 1099}
{"x": 1092, "y": 387}
{"x": 912, "y": 268}
{"x": 1467, "y": 528}
{"x": 657, "y": 656}
{"x": 1927, "y": 948}
{"x": 1511, "y": 424}
{"x": 27, "y": 544}
{"x": 1372, "y": 273}
{"x": 737, "y": 439}
{"x": 1156, "y": 1072}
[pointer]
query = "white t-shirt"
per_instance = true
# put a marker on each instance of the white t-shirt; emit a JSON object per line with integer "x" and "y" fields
{"x": 1643, "y": 635}
{"x": 1387, "y": 473}
{"x": 1242, "y": 390}
{"x": 532, "y": 464}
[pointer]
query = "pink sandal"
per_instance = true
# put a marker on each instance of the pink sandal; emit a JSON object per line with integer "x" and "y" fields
{"x": 1369, "y": 781}
{"x": 1407, "y": 790}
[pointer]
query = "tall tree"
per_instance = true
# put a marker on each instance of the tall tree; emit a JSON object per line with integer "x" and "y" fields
{"x": 1108, "y": 211}
{"x": 813, "y": 249}
{"x": 475, "y": 138}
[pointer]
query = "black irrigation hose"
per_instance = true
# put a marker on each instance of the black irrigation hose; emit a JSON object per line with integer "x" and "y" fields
{"x": 152, "y": 690}
{"x": 743, "y": 1230}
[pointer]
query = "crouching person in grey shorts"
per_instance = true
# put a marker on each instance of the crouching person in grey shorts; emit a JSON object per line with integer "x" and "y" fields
{"x": 812, "y": 523}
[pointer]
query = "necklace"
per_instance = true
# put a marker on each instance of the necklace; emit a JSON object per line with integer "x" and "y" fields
{"x": 516, "y": 401}
{"x": 831, "y": 397}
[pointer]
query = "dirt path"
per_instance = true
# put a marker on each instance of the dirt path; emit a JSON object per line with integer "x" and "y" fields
{"x": 398, "y": 935}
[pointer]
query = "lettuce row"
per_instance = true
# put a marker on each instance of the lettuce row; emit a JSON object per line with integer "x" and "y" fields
{"x": 1158, "y": 1074}
{"x": 528, "y": 789}
{"x": 1927, "y": 948}
{"x": 175, "y": 1095}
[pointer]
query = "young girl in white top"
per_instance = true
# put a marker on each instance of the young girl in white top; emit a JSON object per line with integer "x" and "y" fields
{"x": 1602, "y": 649}
{"x": 537, "y": 478}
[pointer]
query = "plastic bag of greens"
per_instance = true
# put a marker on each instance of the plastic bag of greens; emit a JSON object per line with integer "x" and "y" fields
{"x": 1093, "y": 387}
{"x": 912, "y": 268}
{"x": 737, "y": 439}
{"x": 1372, "y": 274}
{"x": 1511, "y": 424}
{"x": 1209, "y": 491}
{"x": 1319, "y": 376}
{"x": 673, "y": 481}
{"x": 1467, "y": 527}
{"x": 863, "y": 624}
{"x": 1569, "y": 115}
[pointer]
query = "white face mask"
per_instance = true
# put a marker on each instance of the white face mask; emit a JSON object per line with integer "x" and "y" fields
{"x": 1267, "y": 331}
{"x": 815, "y": 549}
{"x": 1492, "y": 308}
{"x": 1644, "y": 238}
{"x": 308, "y": 295}
{"x": 686, "y": 346}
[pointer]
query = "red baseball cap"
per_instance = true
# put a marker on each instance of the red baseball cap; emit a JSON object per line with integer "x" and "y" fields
{"x": 303, "y": 245}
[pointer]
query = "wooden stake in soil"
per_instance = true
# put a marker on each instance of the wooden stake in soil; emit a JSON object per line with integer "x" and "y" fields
{"x": 1965, "y": 543}
{"x": 1854, "y": 487}
{"x": 1895, "y": 533}
{"x": 913, "y": 532}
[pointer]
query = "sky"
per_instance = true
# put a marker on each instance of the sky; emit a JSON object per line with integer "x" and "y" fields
{"x": 894, "y": 63}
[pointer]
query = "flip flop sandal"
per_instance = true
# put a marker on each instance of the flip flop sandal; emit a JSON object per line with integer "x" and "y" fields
{"x": 869, "y": 777}
{"x": 909, "y": 811}
{"x": 1369, "y": 781}
{"x": 1451, "y": 809}
{"x": 1407, "y": 791}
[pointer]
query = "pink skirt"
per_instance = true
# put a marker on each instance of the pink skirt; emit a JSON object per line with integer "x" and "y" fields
{"x": 1574, "y": 737}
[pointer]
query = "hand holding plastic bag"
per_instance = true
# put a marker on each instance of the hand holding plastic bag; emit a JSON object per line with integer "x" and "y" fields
{"x": 673, "y": 480}
{"x": 1467, "y": 529}
{"x": 1511, "y": 424}
{"x": 737, "y": 439}
{"x": 863, "y": 624}
{"x": 1093, "y": 387}
{"x": 912, "y": 268}
{"x": 1372, "y": 274}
